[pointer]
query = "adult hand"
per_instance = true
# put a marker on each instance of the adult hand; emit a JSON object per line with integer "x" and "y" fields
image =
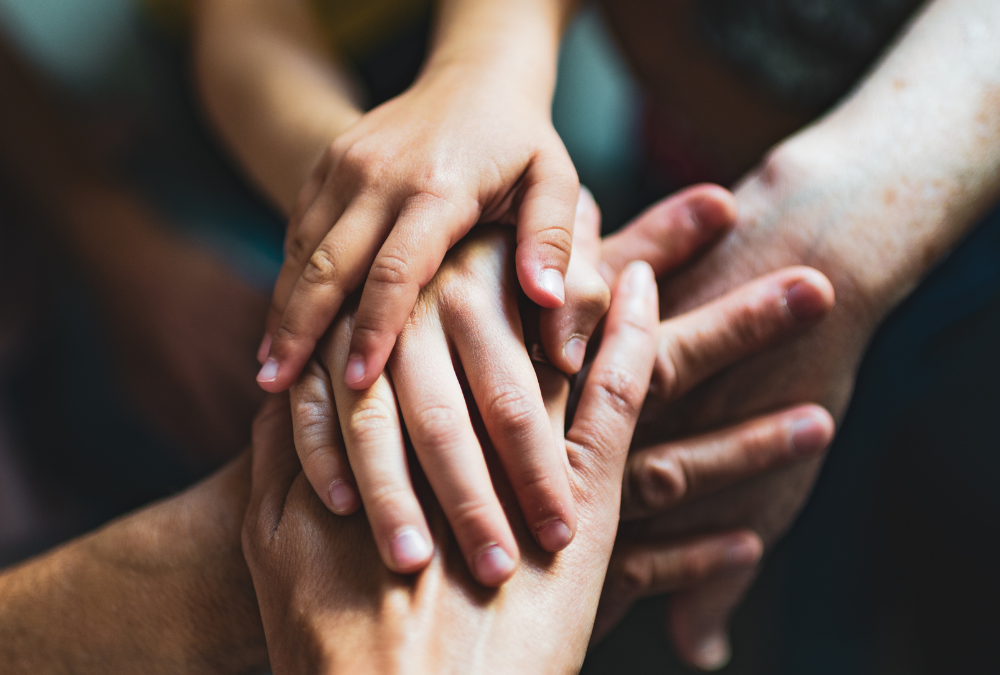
{"x": 329, "y": 605}
{"x": 788, "y": 215}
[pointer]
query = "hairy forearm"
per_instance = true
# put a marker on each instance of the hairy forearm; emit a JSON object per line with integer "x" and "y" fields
{"x": 164, "y": 590}
{"x": 272, "y": 88}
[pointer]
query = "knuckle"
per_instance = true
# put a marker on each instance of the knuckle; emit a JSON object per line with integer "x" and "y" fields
{"x": 672, "y": 358}
{"x": 390, "y": 269}
{"x": 321, "y": 270}
{"x": 297, "y": 248}
{"x": 692, "y": 567}
{"x": 620, "y": 389}
{"x": 370, "y": 419}
{"x": 473, "y": 518}
{"x": 554, "y": 240}
{"x": 435, "y": 426}
{"x": 390, "y": 499}
{"x": 634, "y": 576}
{"x": 659, "y": 484}
{"x": 511, "y": 411}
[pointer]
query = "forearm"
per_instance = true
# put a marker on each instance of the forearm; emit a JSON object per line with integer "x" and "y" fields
{"x": 916, "y": 149}
{"x": 516, "y": 42}
{"x": 272, "y": 88}
{"x": 164, "y": 590}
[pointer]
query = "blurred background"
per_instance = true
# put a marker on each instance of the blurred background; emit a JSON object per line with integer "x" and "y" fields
{"x": 112, "y": 396}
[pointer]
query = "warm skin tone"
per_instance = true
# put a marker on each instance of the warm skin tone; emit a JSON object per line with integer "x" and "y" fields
{"x": 165, "y": 590}
{"x": 873, "y": 195}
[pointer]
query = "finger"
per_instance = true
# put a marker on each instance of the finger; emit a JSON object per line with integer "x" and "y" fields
{"x": 427, "y": 227}
{"x": 761, "y": 313}
{"x": 566, "y": 330}
{"x": 545, "y": 227}
{"x": 373, "y": 436}
{"x": 437, "y": 420}
{"x": 670, "y": 232}
{"x": 335, "y": 268}
{"x": 274, "y": 465}
{"x": 302, "y": 236}
{"x": 698, "y": 619}
{"x": 661, "y": 477}
{"x": 617, "y": 382}
{"x": 506, "y": 390}
{"x": 318, "y": 440}
{"x": 638, "y": 571}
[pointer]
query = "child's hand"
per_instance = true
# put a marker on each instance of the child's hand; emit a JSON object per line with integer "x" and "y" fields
{"x": 399, "y": 188}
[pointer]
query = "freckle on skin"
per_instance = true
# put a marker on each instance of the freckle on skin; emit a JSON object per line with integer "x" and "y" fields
{"x": 889, "y": 197}
{"x": 898, "y": 84}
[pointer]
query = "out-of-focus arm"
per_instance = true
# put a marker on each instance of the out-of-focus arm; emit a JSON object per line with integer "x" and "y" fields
{"x": 272, "y": 87}
{"x": 165, "y": 590}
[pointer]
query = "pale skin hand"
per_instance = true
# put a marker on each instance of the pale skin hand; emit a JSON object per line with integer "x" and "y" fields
{"x": 359, "y": 616}
{"x": 164, "y": 590}
{"x": 471, "y": 140}
{"x": 463, "y": 308}
{"x": 871, "y": 202}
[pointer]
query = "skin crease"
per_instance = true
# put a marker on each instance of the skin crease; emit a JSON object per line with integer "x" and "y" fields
{"x": 873, "y": 204}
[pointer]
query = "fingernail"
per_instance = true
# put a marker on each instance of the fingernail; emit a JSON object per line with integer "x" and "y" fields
{"x": 554, "y": 536}
{"x": 492, "y": 565}
{"x": 713, "y": 652}
{"x": 805, "y": 302}
{"x": 743, "y": 553}
{"x": 264, "y": 349}
{"x": 552, "y": 282}
{"x": 575, "y": 351}
{"x": 343, "y": 497}
{"x": 639, "y": 283}
{"x": 409, "y": 548}
{"x": 808, "y": 436}
{"x": 585, "y": 199}
{"x": 268, "y": 372}
{"x": 355, "y": 371}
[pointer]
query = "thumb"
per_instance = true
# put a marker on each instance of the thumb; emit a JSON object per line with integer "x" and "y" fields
{"x": 698, "y": 619}
{"x": 668, "y": 233}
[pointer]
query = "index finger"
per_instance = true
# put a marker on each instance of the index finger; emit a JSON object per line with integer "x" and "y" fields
{"x": 617, "y": 383}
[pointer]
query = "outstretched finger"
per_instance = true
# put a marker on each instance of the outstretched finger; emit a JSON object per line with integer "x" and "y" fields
{"x": 670, "y": 232}
{"x": 545, "y": 227}
{"x": 617, "y": 382}
{"x": 661, "y": 477}
{"x": 334, "y": 269}
{"x": 427, "y": 227}
{"x": 758, "y": 314}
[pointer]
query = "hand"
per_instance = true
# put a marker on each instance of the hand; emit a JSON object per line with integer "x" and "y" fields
{"x": 466, "y": 326}
{"x": 399, "y": 188}
{"x": 790, "y": 214}
{"x": 462, "y": 307}
{"x": 329, "y": 606}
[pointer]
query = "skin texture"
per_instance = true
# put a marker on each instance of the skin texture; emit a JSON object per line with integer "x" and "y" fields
{"x": 182, "y": 599}
{"x": 407, "y": 180}
{"x": 871, "y": 202}
{"x": 359, "y": 181}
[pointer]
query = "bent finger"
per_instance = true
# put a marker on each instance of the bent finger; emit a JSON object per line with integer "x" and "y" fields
{"x": 440, "y": 429}
{"x": 334, "y": 269}
{"x": 758, "y": 314}
{"x": 318, "y": 440}
{"x": 670, "y": 232}
{"x": 617, "y": 383}
{"x": 426, "y": 228}
{"x": 545, "y": 227}
{"x": 566, "y": 331}
{"x": 661, "y": 477}
{"x": 274, "y": 465}
{"x": 698, "y": 619}
{"x": 373, "y": 437}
